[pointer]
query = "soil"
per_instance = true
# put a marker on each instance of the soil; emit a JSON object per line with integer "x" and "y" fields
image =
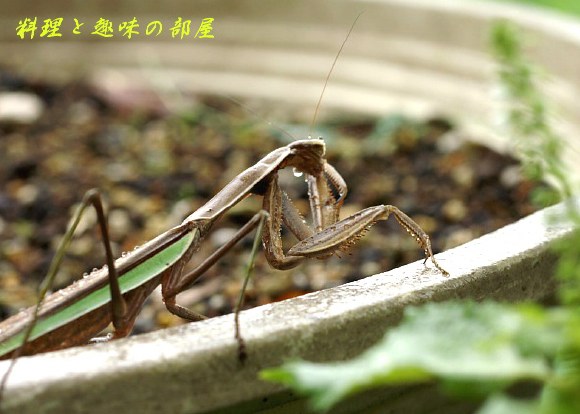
{"x": 155, "y": 168}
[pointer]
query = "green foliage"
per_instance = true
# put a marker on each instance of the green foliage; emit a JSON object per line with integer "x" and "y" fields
{"x": 528, "y": 115}
{"x": 501, "y": 404}
{"x": 391, "y": 132}
{"x": 499, "y": 344}
{"x": 567, "y": 6}
{"x": 568, "y": 271}
{"x": 562, "y": 394}
{"x": 481, "y": 349}
{"x": 539, "y": 146}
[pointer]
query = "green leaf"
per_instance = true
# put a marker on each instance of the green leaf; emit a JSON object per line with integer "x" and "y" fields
{"x": 568, "y": 271}
{"x": 562, "y": 394}
{"x": 475, "y": 347}
{"x": 501, "y": 404}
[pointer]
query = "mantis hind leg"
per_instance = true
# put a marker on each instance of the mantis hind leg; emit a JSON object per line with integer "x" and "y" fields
{"x": 242, "y": 355}
{"x": 171, "y": 290}
{"x": 119, "y": 307}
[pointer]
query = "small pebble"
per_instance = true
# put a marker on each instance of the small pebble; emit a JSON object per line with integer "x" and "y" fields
{"x": 119, "y": 223}
{"x": 455, "y": 210}
{"x": 511, "y": 176}
{"x": 217, "y": 301}
{"x": 463, "y": 175}
{"x": 222, "y": 236}
{"x": 459, "y": 237}
{"x": 20, "y": 107}
{"x": 27, "y": 194}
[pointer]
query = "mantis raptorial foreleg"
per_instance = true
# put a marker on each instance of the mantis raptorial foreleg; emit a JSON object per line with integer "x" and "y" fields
{"x": 415, "y": 231}
{"x": 343, "y": 234}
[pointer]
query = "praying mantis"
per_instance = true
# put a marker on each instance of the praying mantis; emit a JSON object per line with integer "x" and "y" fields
{"x": 76, "y": 314}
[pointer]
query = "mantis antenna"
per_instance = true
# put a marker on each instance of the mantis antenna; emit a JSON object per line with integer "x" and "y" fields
{"x": 316, "y": 110}
{"x": 313, "y": 122}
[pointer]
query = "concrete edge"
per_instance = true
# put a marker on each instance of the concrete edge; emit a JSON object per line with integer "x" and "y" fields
{"x": 194, "y": 369}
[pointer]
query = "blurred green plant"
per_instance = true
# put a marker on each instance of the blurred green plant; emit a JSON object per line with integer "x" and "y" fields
{"x": 527, "y": 116}
{"x": 392, "y": 132}
{"x": 489, "y": 346}
{"x": 499, "y": 345}
{"x": 540, "y": 148}
{"x": 566, "y": 6}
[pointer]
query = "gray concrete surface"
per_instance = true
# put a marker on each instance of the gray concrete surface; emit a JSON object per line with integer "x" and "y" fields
{"x": 194, "y": 369}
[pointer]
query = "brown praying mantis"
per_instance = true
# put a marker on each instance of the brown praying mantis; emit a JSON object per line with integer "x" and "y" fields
{"x": 76, "y": 314}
